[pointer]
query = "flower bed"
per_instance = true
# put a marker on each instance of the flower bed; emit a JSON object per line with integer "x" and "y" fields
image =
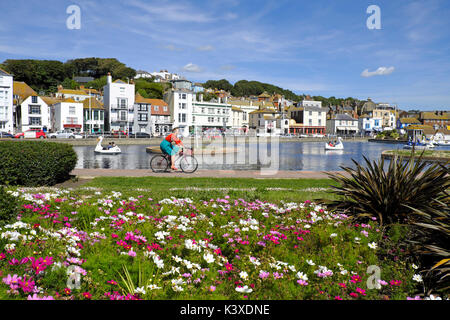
{"x": 84, "y": 244}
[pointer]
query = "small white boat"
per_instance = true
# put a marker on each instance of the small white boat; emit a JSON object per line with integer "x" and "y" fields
{"x": 442, "y": 143}
{"x": 339, "y": 145}
{"x": 104, "y": 150}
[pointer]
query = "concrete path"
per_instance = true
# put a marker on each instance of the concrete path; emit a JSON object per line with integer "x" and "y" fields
{"x": 92, "y": 173}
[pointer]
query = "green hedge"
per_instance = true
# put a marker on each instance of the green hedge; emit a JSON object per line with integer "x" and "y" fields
{"x": 8, "y": 207}
{"x": 35, "y": 163}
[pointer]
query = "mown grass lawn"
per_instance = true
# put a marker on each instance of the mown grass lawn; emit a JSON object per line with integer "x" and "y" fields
{"x": 158, "y": 238}
{"x": 202, "y": 188}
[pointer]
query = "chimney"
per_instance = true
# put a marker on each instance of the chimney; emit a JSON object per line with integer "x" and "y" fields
{"x": 109, "y": 78}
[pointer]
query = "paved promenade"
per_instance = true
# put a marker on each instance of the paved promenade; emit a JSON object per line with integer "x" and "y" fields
{"x": 92, "y": 173}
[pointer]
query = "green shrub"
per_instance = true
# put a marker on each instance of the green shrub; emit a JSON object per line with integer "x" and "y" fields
{"x": 35, "y": 163}
{"x": 391, "y": 195}
{"x": 8, "y": 207}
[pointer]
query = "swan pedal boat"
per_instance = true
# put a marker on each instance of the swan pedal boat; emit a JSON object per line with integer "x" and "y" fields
{"x": 99, "y": 148}
{"x": 339, "y": 145}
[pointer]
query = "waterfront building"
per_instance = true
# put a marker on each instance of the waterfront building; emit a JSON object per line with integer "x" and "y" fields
{"x": 33, "y": 113}
{"x": 342, "y": 124}
{"x": 211, "y": 114}
{"x": 6, "y": 102}
{"x": 180, "y": 106}
{"x": 68, "y": 115}
{"x": 402, "y": 123}
{"x": 436, "y": 119}
{"x": 248, "y": 106}
{"x": 264, "y": 120}
{"x": 368, "y": 125}
{"x": 93, "y": 116}
{"x": 119, "y": 101}
{"x": 161, "y": 122}
{"x": 309, "y": 118}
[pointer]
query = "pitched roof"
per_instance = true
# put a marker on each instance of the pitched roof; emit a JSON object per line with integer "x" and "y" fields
{"x": 434, "y": 116}
{"x": 155, "y": 102}
{"x": 119, "y": 81}
{"x": 73, "y": 92}
{"x": 264, "y": 95}
{"x": 264, "y": 110}
{"x": 95, "y": 104}
{"x": 23, "y": 90}
{"x": 343, "y": 116}
{"x": 237, "y": 109}
{"x": 50, "y": 100}
{"x": 409, "y": 120}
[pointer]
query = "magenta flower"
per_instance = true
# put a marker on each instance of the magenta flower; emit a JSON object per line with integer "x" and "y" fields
{"x": 302, "y": 282}
{"x": 27, "y": 285}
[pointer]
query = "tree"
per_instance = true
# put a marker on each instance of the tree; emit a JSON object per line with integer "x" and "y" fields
{"x": 70, "y": 84}
{"x": 149, "y": 90}
{"x": 97, "y": 84}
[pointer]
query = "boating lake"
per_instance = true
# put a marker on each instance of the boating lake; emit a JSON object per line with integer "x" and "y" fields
{"x": 297, "y": 156}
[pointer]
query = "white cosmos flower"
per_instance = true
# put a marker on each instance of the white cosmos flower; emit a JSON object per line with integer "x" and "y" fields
{"x": 209, "y": 258}
{"x": 414, "y": 266}
{"x": 417, "y": 278}
{"x": 243, "y": 275}
{"x": 302, "y": 276}
{"x": 333, "y": 235}
{"x": 310, "y": 262}
{"x": 140, "y": 290}
{"x": 372, "y": 245}
{"x": 244, "y": 289}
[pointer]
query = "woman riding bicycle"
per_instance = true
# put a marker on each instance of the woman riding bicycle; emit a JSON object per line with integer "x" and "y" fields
{"x": 168, "y": 148}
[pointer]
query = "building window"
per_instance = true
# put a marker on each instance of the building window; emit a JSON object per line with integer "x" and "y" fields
{"x": 72, "y": 110}
{"x": 156, "y": 108}
{"x": 165, "y": 108}
{"x": 34, "y": 99}
{"x": 320, "y": 122}
{"x": 34, "y": 109}
{"x": 182, "y": 117}
{"x": 96, "y": 114}
{"x": 123, "y": 116}
{"x": 34, "y": 121}
{"x": 142, "y": 117}
{"x": 193, "y": 119}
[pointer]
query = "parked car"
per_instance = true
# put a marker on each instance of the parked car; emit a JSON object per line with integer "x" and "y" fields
{"x": 65, "y": 134}
{"x": 6, "y": 135}
{"x": 303, "y": 135}
{"x": 141, "y": 135}
{"x": 31, "y": 134}
{"x": 318, "y": 135}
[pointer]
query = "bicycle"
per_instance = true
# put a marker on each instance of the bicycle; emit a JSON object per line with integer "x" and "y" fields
{"x": 187, "y": 162}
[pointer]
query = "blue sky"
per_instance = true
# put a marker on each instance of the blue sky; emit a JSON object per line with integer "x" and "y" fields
{"x": 313, "y": 47}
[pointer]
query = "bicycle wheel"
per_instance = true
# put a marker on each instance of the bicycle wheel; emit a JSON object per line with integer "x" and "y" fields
{"x": 189, "y": 164}
{"x": 159, "y": 164}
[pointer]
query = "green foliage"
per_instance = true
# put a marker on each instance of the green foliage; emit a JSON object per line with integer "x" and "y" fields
{"x": 99, "y": 67}
{"x": 8, "y": 206}
{"x": 432, "y": 240}
{"x": 150, "y": 90}
{"x": 207, "y": 96}
{"x": 97, "y": 84}
{"x": 39, "y": 74}
{"x": 218, "y": 84}
{"x": 70, "y": 84}
{"x": 32, "y": 163}
{"x": 46, "y": 75}
{"x": 390, "y": 195}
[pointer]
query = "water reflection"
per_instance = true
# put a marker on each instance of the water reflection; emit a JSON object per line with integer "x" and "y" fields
{"x": 306, "y": 156}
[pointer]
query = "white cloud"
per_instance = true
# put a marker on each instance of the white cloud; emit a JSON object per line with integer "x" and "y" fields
{"x": 381, "y": 71}
{"x": 205, "y": 48}
{"x": 190, "y": 67}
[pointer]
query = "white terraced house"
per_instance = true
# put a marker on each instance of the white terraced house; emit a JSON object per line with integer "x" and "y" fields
{"x": 119, "y": 100}
{"x": 34, "y": 114}
{"x": 180, "y": 106}
{"x": 6, "y": 102}
{"x": 68, "y": 115}
{"x": 211, "y": 114}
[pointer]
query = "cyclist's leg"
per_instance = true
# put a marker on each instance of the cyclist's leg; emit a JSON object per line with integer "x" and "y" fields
{"x": 174, "y": 152}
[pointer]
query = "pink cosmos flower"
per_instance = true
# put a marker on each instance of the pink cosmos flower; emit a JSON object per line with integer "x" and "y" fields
{"x": 212, "y": 289}
{"x": 354, "y": 294}
{"x": 337, "y": 298}
{"x": 27, "y": 285}
{"x": 361, "y": 291}
{"x": 302, "y": 282}
{"x": 87, "y": 295}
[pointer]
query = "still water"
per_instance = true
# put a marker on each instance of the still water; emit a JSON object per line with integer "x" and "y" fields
{"x": 298, "y": 156}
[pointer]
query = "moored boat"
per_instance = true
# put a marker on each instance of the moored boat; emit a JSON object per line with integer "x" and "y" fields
{"x": 105, "y": 150}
